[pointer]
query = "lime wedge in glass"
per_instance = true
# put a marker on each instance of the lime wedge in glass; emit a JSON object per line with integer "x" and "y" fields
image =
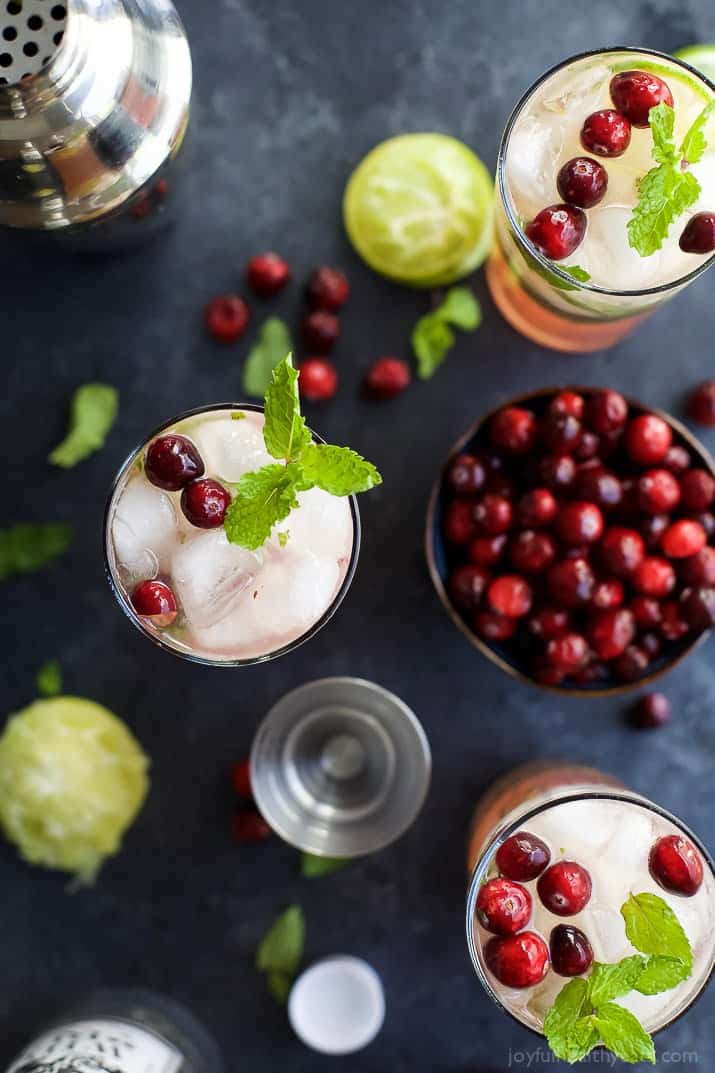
{"x": 701, "y": 57}
{"x": 418, "y": 208}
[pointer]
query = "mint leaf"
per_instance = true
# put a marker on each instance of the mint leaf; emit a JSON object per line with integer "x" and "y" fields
{"x": 261, "y": 499}
{"x": 312, "y": 867}
{"x": 285, "y": 431}
{"x": 660, "y": 974}
{"x": 695, "y": 142}
{"x": 461, "y": 309}
{"x": 338, "y": 470}
{"x": 93, "y": 412}
{"x": 576, "y": 272}
{"x": 281, "y": 949}
{"x": 664, "y": 193}
{"x": 432, "y": 340}
{"x": 271, "y": 346}
{"x": 26, "y": 548}
{"x": 49, "y": 679}
{"x": 607, "y": 982}
{"x": 284, "y": 537}
{"x": 238, "y": 415}
{"x": 567, "y": 1025}
{"x": 662, "y": 122}
{"x": 623, "y": 1034}
{"x": 653, "y": 928}
{"x": 279, "y": 985}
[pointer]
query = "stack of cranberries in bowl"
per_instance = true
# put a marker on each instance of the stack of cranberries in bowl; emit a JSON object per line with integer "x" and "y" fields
{"x": 578, "y": 529}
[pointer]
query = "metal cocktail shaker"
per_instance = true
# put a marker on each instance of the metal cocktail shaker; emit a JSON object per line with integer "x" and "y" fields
{"x": 94, "y": 105}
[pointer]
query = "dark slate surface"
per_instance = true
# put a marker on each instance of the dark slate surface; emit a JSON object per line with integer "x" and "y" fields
{"x": 288, "y": 98}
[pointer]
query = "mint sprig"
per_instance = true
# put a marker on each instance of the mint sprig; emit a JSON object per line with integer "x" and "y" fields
{"x": 26, "y": 548}
{"x": 49, "y": 679}
{"x": 266, "y": 496}
{"x": 432, "y": 336}
{"x": 93, "y": 412}
{"x": 280, "y": 952}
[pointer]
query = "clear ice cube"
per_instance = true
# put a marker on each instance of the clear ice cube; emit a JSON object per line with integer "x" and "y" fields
{"x": 322, "y": 524}
{"x": 534, "y": 149}
{"x": 231, "y": 448}
{"x": 144, "y": 528}
{"x": 605, "y": 252}
{"x": 293, "y": 590}
{"x": 209, "y": 575}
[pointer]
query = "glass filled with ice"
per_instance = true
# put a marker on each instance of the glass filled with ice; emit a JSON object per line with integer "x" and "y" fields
{"x": 605, "y": 197}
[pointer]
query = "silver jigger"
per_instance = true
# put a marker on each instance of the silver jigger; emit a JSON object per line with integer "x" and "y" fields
{"x": 340, "y": 767}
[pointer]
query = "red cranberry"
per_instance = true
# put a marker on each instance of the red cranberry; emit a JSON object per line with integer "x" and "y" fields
{"x": 536, "y": 508}
{"x": 610, "y": 632}
{"x": 172, "y": 461}
{"x": 634, "y": 93}
{"x": 522, "y": 857}
{"x": 698, "y": 235}
{"x": 673, "y": 626}
{"x": 205, "y": 502}
{"x": 606, "y": 133}
{"x": 651, "y": 644}
{"x": 155, "y": 600}
{"x": 387, "y": 378}
{"x": 513, "y": 430}
{"x": 697, "y": 608}
{"x": 493, "y": 627}
{"x": 707, "y": 520}
{"x": 546, "y": 674}
{"x": 648, "y": 439}
{"x": 518, "y": 960}
{"x": 465, "y": 475}
{"x": 241, "y": 779}
{"x": 607, "y": 594}
{"x": 677, "y": 459}
{"x": 683, "y": 539}
{"x": 697, "y": 489}
{"x": 646, "y": 612}
{"x": 568, "y": 652}
{"x": 459, "y": 526}
{"x": 582, "y": 181}
{"x": 487, "y": 550}
{"x": 565, "y": 888}
{"x": 510, "y": 595}
{"x": 531, "y": 552}
{"x": 503, "y": 907}
{"x": 606, "y": 411}
{"x": 267, "y": 273}
{"x": 328, "y": 289}
{"x": 658, "y": 491}
{"x": 701, "y": 403}
{"x": 654, "y": 577}
{"x": 227, "y": 317}
{"x": 249, "y": 828}
{"x": 560, "y": 433}
{"x": 587, "y": 446}
{"x": 650, "y": 711}
{"x": 652, "y": 529}
{"x": 557, "y": 231}
{"x": 549, "y": 622}
{"x": 600, "y": 487}
{"x": 567, "y": 402}
{"x": 632, "y": 665}
{"x": 571, "y": 952}
{"x": 609, "y": 442}
{"x": 676, "y": 865}
{"x": 493, "y": 514}
{"x": 621, "y": 551}
{"x": 592, "y": 673}
{"x": 579, "y": 523}
{"x": 500, "y": 485}
{"x": 571, "y": 582}
{"x": 466, "y": 586}
{"x": 320, "y": 331}
{"x": 317, "y": 379}
{"x": 699, "y": 569}
{"x": 557, "y": 471}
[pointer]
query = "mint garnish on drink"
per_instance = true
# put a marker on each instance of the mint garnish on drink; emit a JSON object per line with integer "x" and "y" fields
{"x": 585, "y": 1012}
{"x": 266, "y": 496}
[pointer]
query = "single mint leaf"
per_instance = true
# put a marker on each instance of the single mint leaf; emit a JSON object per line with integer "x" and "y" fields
{"x": 238, "y": 415}
{"x": 461, "y": 309}
{"x": 281, "y": 949}
{"x": 653, "y": 928}
{"x": 662, "y": 122}
{"x": 607, "y": 982}
{"x": 623, "y": 1034}
{"x": 661, "y": 974}
{"x": 576, "y": 272}
{"x": 285, "y": 432}
{"x": 261, "y": 499}
{"x": 432, "y": 340}
{"x": 313, "y": 867}
{"x": 567, "y": 1024}
{"x": 26, "y": 548}
{"x": 279, "y": 985}
{"x": 94, "y": 410}
{"x": 695, "y": 143}
{"x": 284, "y": 537}
{"x": 271, "y": 346}
{"x": 338, "y": 470}
{"x": 664, "y": 193}
{"x": 49, "y": 679}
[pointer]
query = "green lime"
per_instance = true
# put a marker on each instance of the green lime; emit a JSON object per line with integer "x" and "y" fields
{"x": 701, "y": 57}
{"x": 418, "y": 208}
{"x": 72, "y": 779}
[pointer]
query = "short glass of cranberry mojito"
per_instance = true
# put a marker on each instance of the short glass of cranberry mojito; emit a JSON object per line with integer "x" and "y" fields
{"x": 605, "y": 197}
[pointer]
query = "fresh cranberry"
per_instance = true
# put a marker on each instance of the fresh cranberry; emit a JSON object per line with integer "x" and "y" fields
{"x": 707, "y": 520}
{"x": 387, "y": 378}
{"x": 317, "y": 379}
{"x": 606, "y": 133}
{"x": 683, "y": 539}
{"x": 560, "y": 433}
{"x": 632, "y": 665}
{"x": 557, "y": 231}
{"x": 579, "y": 523}
{"x": 698, "y": 235}
{"x": 465, "y": 474}
{"x": 697, "y": 489}
{"x": 651, "y": 644}
{"x": 658, "y": 491}
{"x": 599, "y": 486}
{"x": 609, "y": 442}
{"x": 606, "y": 411}
{"x": 249, "y": 828}
{"x": 557, "y": 471}
{"x": 267, "y": 273}
{"x": 459, "y": 526}
{"x": 241, "y": 779}
{"x": 646, "y": 612}
{"x": 610, "y": 632}
{"x": 565, "y": 888}
{"x": 510, "y": 595}
{"x": 673, "y": 626}
{"x": 587, "y": 446}
{"x": 518, "y": 960}
{"x": 320, "y": 331}
{"x": 205, "y": 502}
{"x": 701, "y": 403}
{"x": 567, "y": 402}
{"x": 466, "y": 586}
{"x": 227, "y": 317}
{"x": 155, "y": 600}
{"x": 328, "y": 289}
{"x": 531, "y": 552}
{"x": 654, "y": 577}
{"x": 571, "y": 952}
{"x": 582, "y": 181}
{"x": 607, "y": 594}
{"x": 172, "y": 461}
{"x": 493, "y": 514}
{"x": 500, "y": 485}
{"x": 676, "y": 865}
{"x": 536, "y": 508}
{"x": 549, "y": 622}
{"x": 513, "y": 430}
{"x": 503, "y": 907}
{"x": 634, "y": 93}
{"x": 522, "y": 857}
{"x": 592, "y": 673}
{"x": 486, "y": 551}
{"x": 697, "y": 608}
{"x": 545, "y": 673}
{"x": 621, "y": 551}
{"x": 677, "y": 459}
{"x": 652, "y": 529}
{"x": 699, "y": 569}
{"x": 648, "y": 439}
{"x": 571, "y": 582}
{"x": 650, "y": 711}
{"x": 493, "y": 627}
{"x": 568, "y": 652}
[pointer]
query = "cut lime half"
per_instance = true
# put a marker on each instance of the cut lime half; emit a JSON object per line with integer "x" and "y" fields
{"x": 419, "y": 207}
{"x": 701, "y": 57}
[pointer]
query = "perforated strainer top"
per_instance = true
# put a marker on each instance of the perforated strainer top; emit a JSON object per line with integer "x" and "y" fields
{"x": 30, "y": 33}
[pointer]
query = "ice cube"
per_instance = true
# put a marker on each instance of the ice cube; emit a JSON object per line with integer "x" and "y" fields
{"x": 144, "y": 528}
{"x": 532, "y": 163}
{"x": 322, "y": 524}
{"x": 231, "y": 448}
{"x": 605, "y": 252}
{"x": 209, "y": 575}
{"x": 576, "y": 95}
{"x": 292, "y": 591}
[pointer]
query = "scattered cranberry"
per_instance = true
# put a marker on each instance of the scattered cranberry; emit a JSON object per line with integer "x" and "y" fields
{"x": 571, "y": 582}
{"x": 536, "y": 508}
{"x": 387, "y": 378}
{"x": 569, "y": 403}
{"x": 522, "y": 857}
{"x": 652, "y": 529}
{"x": 606, "y": 411}
{"x": 487, "y": 551}
{"x": 683, "y": 539}
{"x": 531, "y": 551}
{"x": 493, "y": 514}
{"x": 249, "y": 828}
{"x": 518, "y": 960}
{"x": 582, "y": 181}
{"x": 648, "y": 439}
{"x": 459, "y": 525}
{"x": 606, "y": 133}
{"x": 571, "y": 952}
{"x": 320, "y": 331}
{"x": 510, "y": 595}
{"x": 227, "y": 317}
{"x": 557, "y": 471}
{"x": 646, "y": 612}
{"x": 650, "y": 711}
{"x": 634, "y": 93}
{"x": 701, "y": 403}
{"x": 465, "y": 475}
{"x": 607, "y": 594}
{"x": 673, "y": 626}
{"x": 205, "y": 502}
{"x": 565, "y": 888}
{"x": 697, "y": 608}
{"x": 241, "y": 779}
{"x": 676, "y": 865}
{"x": 580, "y": 523}
{"x": 503, "y": 907}
{"x": 677, "y": 459}
{"x": 557, "y": 231}
{"x": 493, "y": 627}
{"x": 610, "y": 632}
{"x": 328, "y": 289}
{"x": 621, "y": 551}
{"x": 698, "y": 235}
{"x": 568, "y": 653}
{"x": 599, "y": 486}
{"x": 654, "y": 577}
{"x": 632, "y": 664}
{"x": 317, "y": 379}
{"x": 155, "y": 600}
{"x": 513, "y": 430}
{"x": 699, "y": 569}
{"x": 549, "y": 622}
{"x": 466, "y": 586}
{"x": 267, "y": 273}
{"x": 658, "y": 491}
{"x": 697, "y": 489}
{"x": 172, "y": 461}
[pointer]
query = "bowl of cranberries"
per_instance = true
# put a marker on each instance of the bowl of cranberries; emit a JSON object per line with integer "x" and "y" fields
{"x": 571, "y": 538}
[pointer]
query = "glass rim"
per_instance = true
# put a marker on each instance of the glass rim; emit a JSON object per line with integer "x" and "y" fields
{"x": 157, "y": 639}
{"x": 505, "y": 832}
{"x": 507, "y": 202}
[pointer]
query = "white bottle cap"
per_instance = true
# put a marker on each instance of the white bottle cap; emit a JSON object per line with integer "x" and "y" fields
{"x": 337, "y": 1006}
